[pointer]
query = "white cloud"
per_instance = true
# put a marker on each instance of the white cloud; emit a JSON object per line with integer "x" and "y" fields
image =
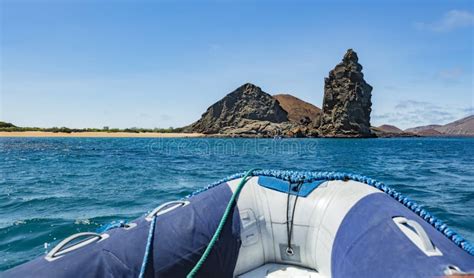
{"x": 411, "y": 113}
{"x": 451, "y": 20}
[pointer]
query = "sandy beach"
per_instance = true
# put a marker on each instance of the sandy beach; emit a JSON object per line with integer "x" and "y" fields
{"x": 99, "y": 134}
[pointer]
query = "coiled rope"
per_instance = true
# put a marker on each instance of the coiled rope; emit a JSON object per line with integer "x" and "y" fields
{"x": 218, "y": 231}
{"x": 295, "y": 177}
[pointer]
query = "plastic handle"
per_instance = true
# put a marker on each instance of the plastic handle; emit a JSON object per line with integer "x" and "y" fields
{"x": 58, "y": 249}
{"x": 166, "y": 207}
{"x": 428, "y": 246}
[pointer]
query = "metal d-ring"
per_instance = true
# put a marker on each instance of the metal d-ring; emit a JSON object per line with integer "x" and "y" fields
{"x": 59, "y": 249}
{"x": 164, "y": 208}
{"x": 289, "y": 251}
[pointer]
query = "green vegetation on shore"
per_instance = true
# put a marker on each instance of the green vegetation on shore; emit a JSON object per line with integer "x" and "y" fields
{"x": 11, "y": 128}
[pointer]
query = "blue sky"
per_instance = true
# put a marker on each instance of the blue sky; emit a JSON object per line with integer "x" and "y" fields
{"x": 162, "y": 63}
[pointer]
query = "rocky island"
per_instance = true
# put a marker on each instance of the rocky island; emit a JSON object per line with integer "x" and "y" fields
{"x": 347, "y": 101}
{"x": 246, "y": 112}
{"x": 250, "y": 112}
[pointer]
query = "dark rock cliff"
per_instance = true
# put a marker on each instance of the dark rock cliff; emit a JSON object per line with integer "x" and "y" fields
{"x": 347, "y": 101}
{"x": 247, "y": 110}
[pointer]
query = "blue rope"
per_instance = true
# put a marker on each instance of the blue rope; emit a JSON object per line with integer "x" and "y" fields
{"x": 151, "y": 231}
{"x": 295, "y": 177}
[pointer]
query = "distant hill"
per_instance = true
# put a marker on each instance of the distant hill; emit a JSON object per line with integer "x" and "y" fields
{"x": 298, "y": 110}
{"x": 390, "y": 128}
{"x": 462, "y": 127}
{"x": 422, "y": 128}
{"x": 429, "y": 132}
{"x": 391, "y": 131}
{"x": 5, "y": 124}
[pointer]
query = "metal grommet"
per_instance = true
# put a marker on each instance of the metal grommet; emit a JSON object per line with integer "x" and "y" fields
{"x": 289, "y": 251}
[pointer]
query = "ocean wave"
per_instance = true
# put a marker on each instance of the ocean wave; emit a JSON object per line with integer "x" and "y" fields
{"x": 52, "y": 188}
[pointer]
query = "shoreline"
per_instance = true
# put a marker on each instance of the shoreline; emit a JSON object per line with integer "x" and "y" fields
{"x": 99, "y": 134}
{"x": 95, "y": 134}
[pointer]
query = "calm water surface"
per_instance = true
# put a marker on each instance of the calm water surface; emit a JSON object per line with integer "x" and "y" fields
{"x": 51, "y": 188}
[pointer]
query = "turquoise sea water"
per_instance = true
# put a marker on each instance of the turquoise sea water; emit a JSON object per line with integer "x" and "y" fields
{"x": 51, "y": 188}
